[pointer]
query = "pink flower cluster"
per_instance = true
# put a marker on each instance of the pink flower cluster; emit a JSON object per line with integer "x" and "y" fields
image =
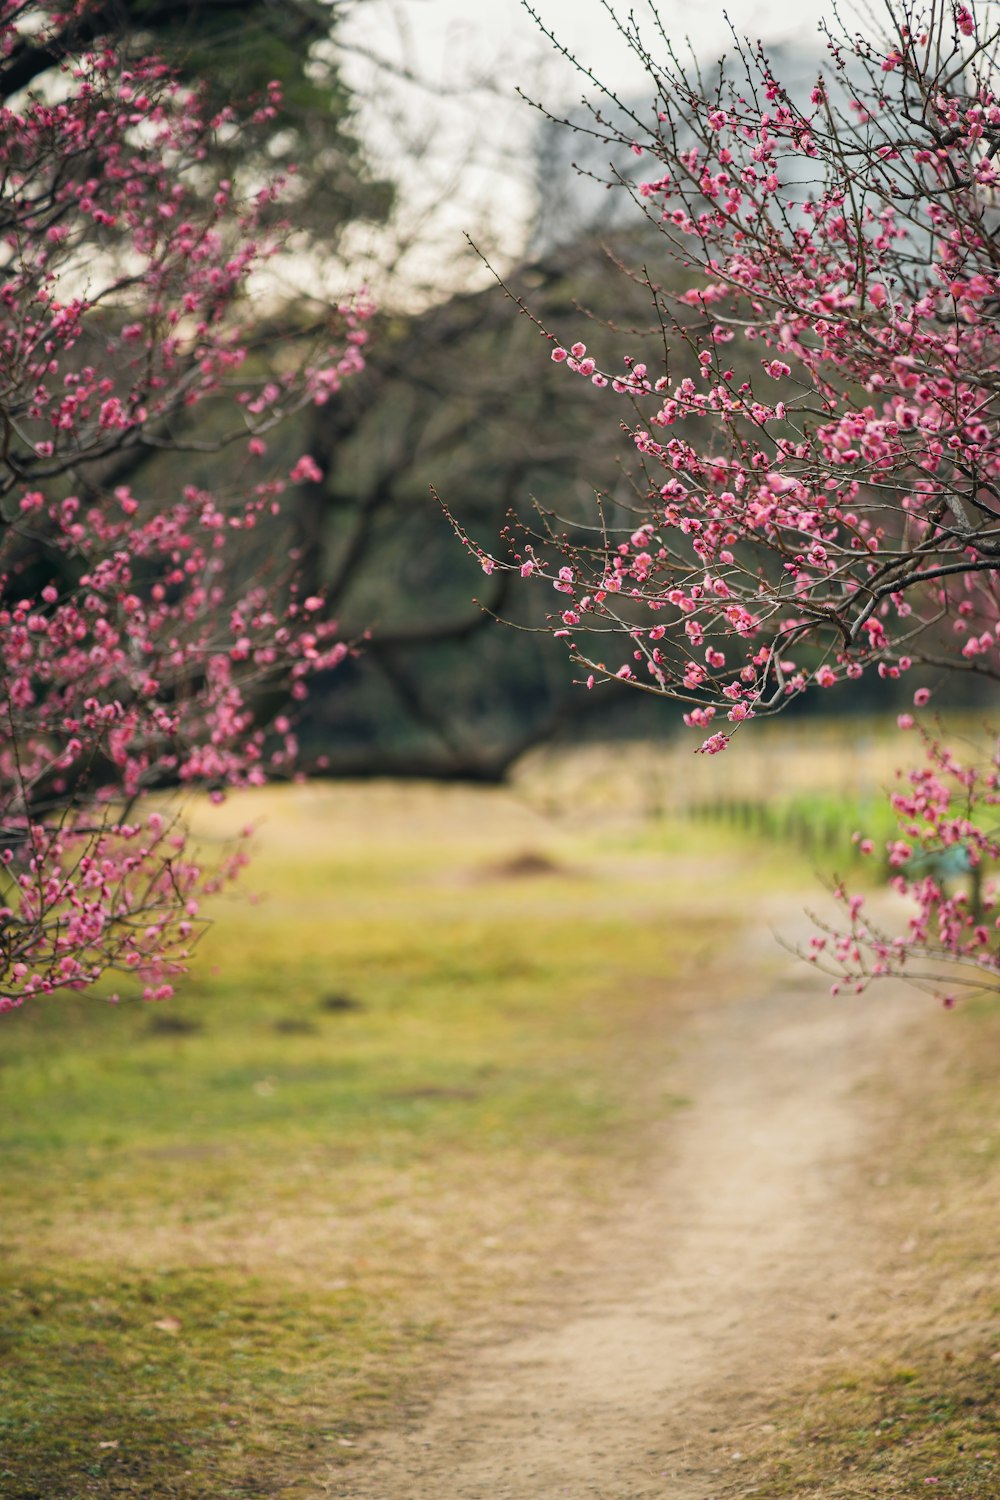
{"x": 136, "y": 629}
{"x": 943, "y": 861}
{"x": 837, "y": 513}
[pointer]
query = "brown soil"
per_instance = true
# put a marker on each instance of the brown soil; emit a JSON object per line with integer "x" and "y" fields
{"x": 747, "y": 1264}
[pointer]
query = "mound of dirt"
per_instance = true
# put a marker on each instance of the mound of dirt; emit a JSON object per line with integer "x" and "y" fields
{"x": 525, "y": 865}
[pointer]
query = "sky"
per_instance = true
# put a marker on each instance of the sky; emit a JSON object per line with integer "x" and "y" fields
{"x": 459, "y": 140}
{"x": 443, "y": 35}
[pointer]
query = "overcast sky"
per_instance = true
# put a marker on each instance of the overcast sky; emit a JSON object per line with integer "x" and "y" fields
{"x": 445, "y": 35}
{"x": 470, "y": 133}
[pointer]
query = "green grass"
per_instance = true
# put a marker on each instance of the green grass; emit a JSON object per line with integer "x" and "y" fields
{"x": 237, "y": 1225}
{"x": 823, "y": 825}
{"x": 174, "y": 1383}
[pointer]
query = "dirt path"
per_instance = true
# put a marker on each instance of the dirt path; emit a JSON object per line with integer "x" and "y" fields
{"x": 745, "y": 1265}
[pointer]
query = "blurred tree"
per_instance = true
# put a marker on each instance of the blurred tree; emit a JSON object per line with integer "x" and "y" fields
{"x": 453, "y": 402}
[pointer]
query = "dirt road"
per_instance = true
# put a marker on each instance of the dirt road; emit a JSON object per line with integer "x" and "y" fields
{"x": 744, "y": 1266}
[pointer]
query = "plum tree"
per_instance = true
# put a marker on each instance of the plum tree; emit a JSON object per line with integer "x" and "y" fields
{"x": 137, "y": 628}
{"x": 834, "y": 513}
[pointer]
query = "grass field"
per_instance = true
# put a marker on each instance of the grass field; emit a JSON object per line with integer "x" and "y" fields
{"x": 237, "y": 1227}
{"x": 237, "y": 1224}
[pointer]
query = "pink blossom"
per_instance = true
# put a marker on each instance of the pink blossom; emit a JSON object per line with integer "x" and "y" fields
{"x": 147, "y": 652}
{"x": 306, "y": 468}
{"x": 847, "y": 532}
{"x": 714, "y": 744}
